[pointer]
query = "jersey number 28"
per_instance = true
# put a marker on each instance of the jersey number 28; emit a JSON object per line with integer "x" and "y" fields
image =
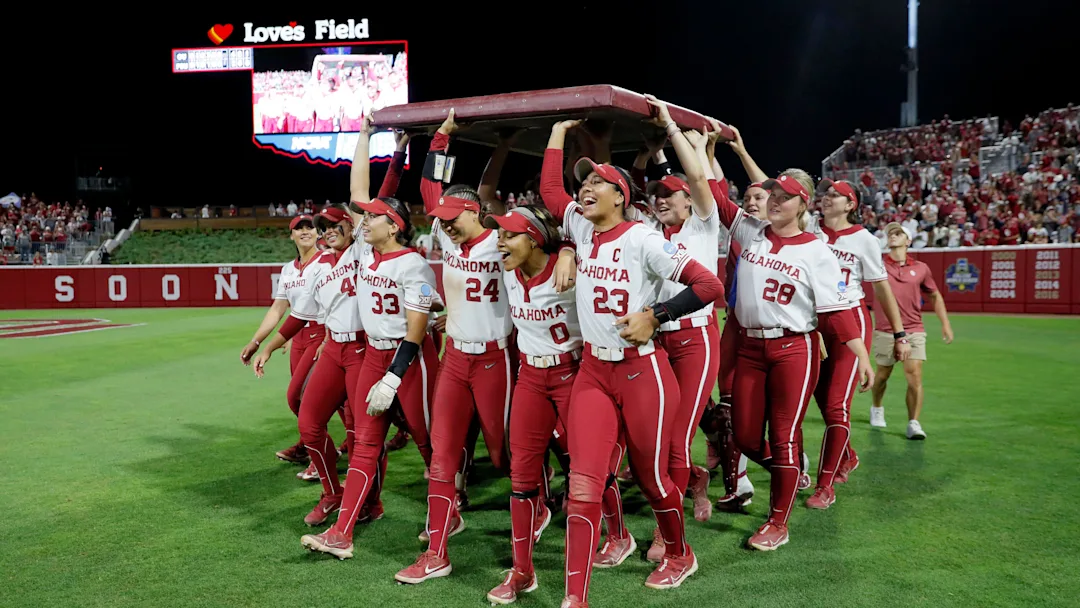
{"x": 778, "y": 292}
{"x": 472, "y": 290}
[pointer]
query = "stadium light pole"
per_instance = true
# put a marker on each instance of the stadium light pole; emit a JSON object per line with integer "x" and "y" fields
{"x": 909, "y": 110}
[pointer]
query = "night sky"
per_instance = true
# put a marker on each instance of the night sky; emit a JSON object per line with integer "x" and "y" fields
{"x": 797, "y": 77}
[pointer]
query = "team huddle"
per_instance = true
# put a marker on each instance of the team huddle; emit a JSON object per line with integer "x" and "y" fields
{"x": 582, "y": 327}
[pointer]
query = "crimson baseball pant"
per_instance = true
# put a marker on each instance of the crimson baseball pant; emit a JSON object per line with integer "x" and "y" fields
{"x": 468, "y": 384}
{"x": 331, "y": 382}
{"x": 835, "y": 388}
{"x": 775, "y": 382}
{"x": 541, "y": 399}
{"x": 367, "y": 460}
{"x": 639, "y": 396}
{"x": 693, "y": 356}
{"x": 301, "y": 362}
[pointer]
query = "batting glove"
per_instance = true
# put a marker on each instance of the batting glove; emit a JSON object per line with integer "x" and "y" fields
{"x": 381, "y": 396}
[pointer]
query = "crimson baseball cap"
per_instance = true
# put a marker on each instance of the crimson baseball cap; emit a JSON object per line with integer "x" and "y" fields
{"x": 521, "y": 220}
{"x": 450, "y": 207}
{"x": 330, "y": 216}
{"x": 756, "y": 185}
{"x": 379, "y": 207}
{"x": 787, "y": 184}
{"x": 842, "y": 187}
{"x": 301, "y": 218}
{"x": 607, "y": 172}
{"x": 671, "y": 182}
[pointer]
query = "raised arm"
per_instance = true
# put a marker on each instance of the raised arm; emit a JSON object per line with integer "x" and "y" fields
{"x": 752, "y": 170}
{"x": 489, "y": 183}
{"x": 551, "y": 182}
{"x": 431, "y": 190}
{"x": 397, "y": 166}
{"x": 360, "y": 174}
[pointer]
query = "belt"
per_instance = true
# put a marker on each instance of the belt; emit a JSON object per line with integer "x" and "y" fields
{"x": 603, "y": 353}
{"x": 388, "y": 344}
{"x": 686, "y": 323}
{"x": 342, "y": 338}
{"x": 546, "y": 361}
{"x": 479, "y": 348}
{"x": 768, "y": 334}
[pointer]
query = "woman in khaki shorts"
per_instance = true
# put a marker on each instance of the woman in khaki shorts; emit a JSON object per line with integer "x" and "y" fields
{"x": 910, "y": 281}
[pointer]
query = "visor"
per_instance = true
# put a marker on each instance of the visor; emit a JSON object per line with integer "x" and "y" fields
{"x": 450, "y": 207}
{"x": 608, "y": 173}
{"x": 521, "y": 221}
{"x": 301, "y": 218}
{"x": 670, "y": 182}
{"x": 379, "y": 207}
{"x": 789, "y": 185}
{"x": 841, "y": 187}
{"x": 330, "y": 216}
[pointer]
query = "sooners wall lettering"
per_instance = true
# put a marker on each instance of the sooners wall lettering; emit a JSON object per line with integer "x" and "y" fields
{"x": 973, "y": 279}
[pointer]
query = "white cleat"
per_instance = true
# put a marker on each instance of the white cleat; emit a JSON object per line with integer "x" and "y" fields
{"x": 914, "y": 430}
{"x": 877, "y": 417}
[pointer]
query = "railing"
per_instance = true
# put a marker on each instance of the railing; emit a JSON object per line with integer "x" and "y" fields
{"x": 883, "y": 174}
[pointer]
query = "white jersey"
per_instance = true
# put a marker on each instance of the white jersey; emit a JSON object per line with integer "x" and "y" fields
{"x": 292, "y": 286}
{"x": 859, "y": 256}
{"x": 546, "y": 321}
{"x": 637, "y": 215}
{"x": 700, "y": 239}
{"x": 391, "y": 284}
{"x": 784, "y": 282}
{"x": 619, "y": 271}
{"x": 333, "y": 284}
{"x": 476, "y": 304}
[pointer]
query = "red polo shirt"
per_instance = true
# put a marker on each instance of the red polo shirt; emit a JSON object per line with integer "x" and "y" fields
{"x": 908, "y": 281}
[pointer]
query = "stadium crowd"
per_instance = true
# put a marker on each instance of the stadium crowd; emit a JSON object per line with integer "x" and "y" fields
{"x": 33, "y": 231}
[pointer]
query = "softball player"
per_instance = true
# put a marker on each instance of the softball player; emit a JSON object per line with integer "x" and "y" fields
{"x": 625, "y": 382}
{"x": 549, "y": 341}
{"x": 332, "y": 287}
{"x": 789, "y": 285}
{"x": 477, "y": 373}
{"x": 396, "y": 295}
{"x": 859, "y": 255}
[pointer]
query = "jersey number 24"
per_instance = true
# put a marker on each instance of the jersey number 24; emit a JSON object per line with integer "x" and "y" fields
{"x": 472, "y": 290}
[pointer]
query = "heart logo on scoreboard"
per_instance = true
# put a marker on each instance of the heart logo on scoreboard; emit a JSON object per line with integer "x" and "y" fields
{"x": 292, "y": 24}
{"x": 219, "y": 32}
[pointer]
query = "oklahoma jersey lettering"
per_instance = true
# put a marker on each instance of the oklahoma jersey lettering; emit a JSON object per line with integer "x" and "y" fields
{"x": 546, "y": 321}
{"x": 389, "y": 285}
{"x": 476, "y": 304}
{"x": 292, "y": 286}
{"x": 619, "y": 271}
{"x": 699, "y": 238}
{"x": 859, "y": 255}
{"x": 333, "y": 287}
{"x": 784, "y": 282}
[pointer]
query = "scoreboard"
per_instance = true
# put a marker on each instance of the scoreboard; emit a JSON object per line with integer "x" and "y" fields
{"x": 234, "y": 59}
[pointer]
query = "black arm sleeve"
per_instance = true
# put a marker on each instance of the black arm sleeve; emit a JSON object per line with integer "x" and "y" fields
{"x": 403, "y": 358}
{"x": 684, "y": 303}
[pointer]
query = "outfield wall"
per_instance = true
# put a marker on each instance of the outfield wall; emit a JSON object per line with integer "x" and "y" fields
{"x": 1026, "y": 279}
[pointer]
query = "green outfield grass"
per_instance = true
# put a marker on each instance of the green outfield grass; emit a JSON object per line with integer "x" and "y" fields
{"x": 265, "y": 245}
{"x": 137, "y": 469}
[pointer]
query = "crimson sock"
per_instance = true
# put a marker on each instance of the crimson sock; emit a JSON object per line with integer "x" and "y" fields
{"x": 325, "y": 460}
{"x": 784, "y": 486}
{"x": 380, "y": 480}
{"x": 362, "y": 481}
{"x": 611, "y": 508}
{"x": 681, "y": 478}
{"x": 832, "y": 453}
{"x": 849, "y": 452}
{"x": 523, "y": 509}
{"x": 669, "y": 517}
{"x": 440, "y": 511}
{"x": 582, "y": 537}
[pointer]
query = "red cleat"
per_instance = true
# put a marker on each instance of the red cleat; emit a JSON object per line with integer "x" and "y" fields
{"x": 572, "y": 601}
{"x": 823, "y": 498}
{"x": 331, "y": 541}
{"x": 846, "y": 468}
{"x": 713, "y": 454}
{"x": 672, "y": 571}
{"x": 515, "y": 583}
{"x": 428, "y": 566}
{"x": 308, "y": 474}
{"x": 699, "y": 491}
{"x": 398, "y": 441}
{"x": 656, "y": 551}
{"x": 614, "y": 552}
{"x": 769, "y": 537}
{"x": 457, "y": 526}
{"x": 369, "y": 513}
{"x": 328, "y": 504}
{"x": 543, "y": 518}
{"x": 296, "y": 454}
